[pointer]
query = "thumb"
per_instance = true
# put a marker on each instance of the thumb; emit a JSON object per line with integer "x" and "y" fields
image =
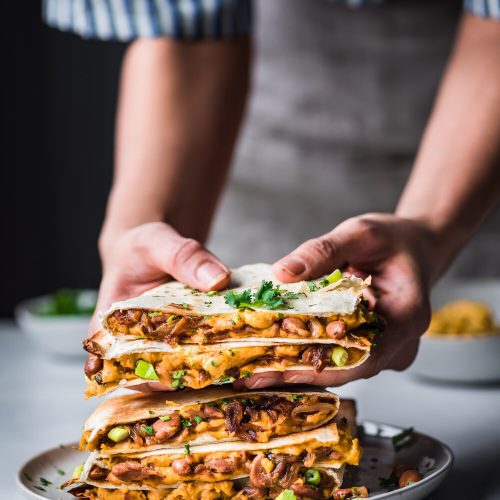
{"x": 186, "y": 259}
{"x": 320, "y": 256}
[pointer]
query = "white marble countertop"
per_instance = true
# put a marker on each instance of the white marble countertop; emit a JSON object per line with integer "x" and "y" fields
{"x": 43, "y": 406}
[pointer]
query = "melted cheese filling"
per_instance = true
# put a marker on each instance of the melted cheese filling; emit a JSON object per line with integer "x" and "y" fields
{"x": 179, "y": 325}
{"x": 203, "y": 369}
{"x": 267, "y": 424}
{"x": 347, "y": 448}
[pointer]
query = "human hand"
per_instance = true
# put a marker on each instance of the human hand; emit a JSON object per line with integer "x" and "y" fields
{"x": 146, "y": 256}
{"x": 401, "y": 257}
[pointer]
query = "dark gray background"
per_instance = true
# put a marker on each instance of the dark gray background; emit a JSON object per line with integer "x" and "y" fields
{"x": 340, "y": 100}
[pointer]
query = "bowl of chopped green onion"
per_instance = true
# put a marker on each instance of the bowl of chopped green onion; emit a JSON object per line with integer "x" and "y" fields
{"x": 57, "y": 323}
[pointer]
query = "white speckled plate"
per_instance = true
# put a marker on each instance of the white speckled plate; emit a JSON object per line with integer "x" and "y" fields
{"x": 41, "y": 476}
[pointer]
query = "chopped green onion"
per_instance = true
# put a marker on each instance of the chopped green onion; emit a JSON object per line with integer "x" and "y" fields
{"x": 339, "y": 356}
{"x": 165, "y": 418}
{"x": 77, "y": 472}
{"x": 286, "y": 495}
{"x": 155, "y": 313}
{"x": 148, "y": 429}
{"x": 312, "y": 476}
{"x": 335, "y": 276}
{"x": 171, "y": 318}
{"x": 212, "y": 293}
{"x": 198, "y": 419}
{"x": 225, "y": 380}
{"x": 145, "y": 370}
{"x": 178, "y": 374}
{"x": 45, "y": 482}
{"x": 186, "y": 423}
{"x": 187, "y": 449}
{"x": 118, "y": 434}
{"x": 247, "y": 374}
{"x": 294, "y": 397}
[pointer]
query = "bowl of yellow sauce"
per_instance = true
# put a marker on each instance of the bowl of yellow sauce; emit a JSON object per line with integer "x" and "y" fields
{"x": 462, "y": 343}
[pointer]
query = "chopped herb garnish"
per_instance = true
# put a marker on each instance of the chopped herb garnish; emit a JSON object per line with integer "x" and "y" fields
{"x": 247, "y": 374}
{"x": 40, "y": 488}
{"x": 291, "y": 295}
{"x": 187, "y": 449}
{"x": 177, "y": 384}
{"x": 148, "y": 429}
{"x": 402, "y": 439}
{"x": 60, "y": 472}
{"x": 213, "y": 363}
{"x": 242, "y": 299}
{"x": 154, "y": 314}
{"x": 410, "y": 483}
{"x": 198, "y": 419}
{"x": 208, "y": 303}
{"x": 171, "y": 318}
{"x": 185, "y": 306}
{"x": 178, "y": 374}
{"x": 151, "y": 412}
{"x": 212, "y": 293}
{"x": 295, "y": 397}
{"x": 195, "y": 291}
{"x": 225, "y": 380}
{"x": 268, "y": 296}
{"x": 165, "y": 418}
{"x": 186, "y": 423}
{"x": 206, "y": 317}
{"x": 45, "y": 482}
{"x": 312, "y": 286}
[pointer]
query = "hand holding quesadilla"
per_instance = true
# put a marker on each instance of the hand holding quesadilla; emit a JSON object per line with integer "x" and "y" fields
{"x": 181, "y": 337}
{"x": 393, "y": 252}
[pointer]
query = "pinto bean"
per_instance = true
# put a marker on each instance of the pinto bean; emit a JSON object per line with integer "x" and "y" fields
{"x": 295, "y": 326}
{"x": 336, "y": 329}
{"x": 409, "y": 476}
{"x": 133, "y": 471}
{"x": 96, "y": 473}
{"x": 213, "y": 412}
{"x": 164, "y": 430}
{"x": 306, "y": 491}
{"x": 259, "y": 476}
{"x": 93, "y": 365}
{"x": 182, "y": 466}
{"x": 222, "y": 465}
{"x": 316, "y": 328}
{"x": 233, "y": 415}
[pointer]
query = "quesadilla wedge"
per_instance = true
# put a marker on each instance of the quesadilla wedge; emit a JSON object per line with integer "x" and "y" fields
{"x": 307, "y": 461}
{"x": 145, "y": 422}
{"x": 254, "y": 307}
{"x": 196, "y": 366}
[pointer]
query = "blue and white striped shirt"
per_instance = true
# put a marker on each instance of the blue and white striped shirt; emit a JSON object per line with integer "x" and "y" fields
{"x": 180, "y": 19}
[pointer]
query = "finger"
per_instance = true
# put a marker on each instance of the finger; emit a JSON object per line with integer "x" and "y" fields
{"x": 320, "y": 256}
{"x": 261, "y": 380}
{"x": 186, "y": 259}
{"x": 151, "y": 387}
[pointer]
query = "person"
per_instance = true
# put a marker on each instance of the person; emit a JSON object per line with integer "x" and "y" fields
{"x": 180, "y": 108}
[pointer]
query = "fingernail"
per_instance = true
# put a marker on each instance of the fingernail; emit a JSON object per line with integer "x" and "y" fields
{"x": 303, "y": 378}
{"x": 293, "y": 266}
{"x": 260, "y": 382}
{"x": 210, "y": 274}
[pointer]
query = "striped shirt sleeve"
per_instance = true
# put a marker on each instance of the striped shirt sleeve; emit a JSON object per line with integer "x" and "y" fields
{"x": 126, "y": 20}
{"x": 483, "y": 8}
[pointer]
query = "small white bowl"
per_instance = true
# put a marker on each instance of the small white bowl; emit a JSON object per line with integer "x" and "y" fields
{"x": 58, "y": 335}
{"x": 462, "y": 358}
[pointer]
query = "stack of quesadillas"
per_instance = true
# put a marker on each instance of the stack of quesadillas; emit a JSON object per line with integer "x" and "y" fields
{"x": 186, "y": 338}
{"x": 217, "y": 443}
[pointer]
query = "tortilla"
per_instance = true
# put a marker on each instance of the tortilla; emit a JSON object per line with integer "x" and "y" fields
{"x": 206, "y": 416}
{"x": 176, "y": 314}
